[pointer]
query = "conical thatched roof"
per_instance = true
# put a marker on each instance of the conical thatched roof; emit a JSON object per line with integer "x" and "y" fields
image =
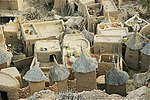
{"x": 58, "y": 72}
{"x": 85, "y": 64}
{"x": 35, "y": 74}
{"x": 116, "y": 77}
{"x": 5, "y": 55}
{"x": 146, "y": 49}
{"x": 134, "y": 41}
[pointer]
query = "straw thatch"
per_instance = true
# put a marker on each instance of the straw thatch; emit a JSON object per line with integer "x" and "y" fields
{"x": 85, "y": 64}
{"x": 5, "y": 55}
{"x": 58, "y": 72}
{"x": 134, "y": 41}
{"x": 146, "y": 49}
{"x": 35, "y": 74}
{"x": 116, "y": 77}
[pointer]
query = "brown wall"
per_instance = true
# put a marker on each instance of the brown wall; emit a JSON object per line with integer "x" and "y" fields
{"x": 62, "y": 85}
{"x": 132, "y": 58}
{"x": 85, "y": 81}
{"x": 35, "y": 87}
{"x": 112, "y": 89}
{"x": 103, "y": 67}
{"x": 72, "y": 85}
{"x": 2, "y": 66}
{"x": 23, "y": 62}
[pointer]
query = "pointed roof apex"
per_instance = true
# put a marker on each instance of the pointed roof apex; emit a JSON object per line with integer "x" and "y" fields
{"x": 116, "y": 77}
{"x": 114, "y": 66}
{"x": 58, "y": 72}
{"x": 35, "y": 74}
{"x": 134, "y": 41}
{"x": 85, "y": 64}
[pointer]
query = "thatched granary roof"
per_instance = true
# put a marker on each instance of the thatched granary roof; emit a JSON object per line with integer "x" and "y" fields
{"x": 146, "y": 49}
{"x": 85, "y": 64}
{"x": 5, "y": 55}
{"x": 58, "y": 72}
{"x": 116, "y": 77}
{"x": 134, "y": 41}
{"x": 35, "y": 74}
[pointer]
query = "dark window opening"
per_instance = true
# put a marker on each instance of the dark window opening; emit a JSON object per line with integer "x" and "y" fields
{"x": 51, "y": 58}
{"x": 49, "y": 5}
{"x": 11, "y": 36}
{"x": 4, "y": 20}
{"x": 76, "y": 8}
{"x": 33, "y": 48}
{"x": 3, "y": 95}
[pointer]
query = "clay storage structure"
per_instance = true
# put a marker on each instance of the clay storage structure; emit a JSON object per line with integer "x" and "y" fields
{"x": 59, "y": 75}
{"x": 116, "y": 81}
{"x": 35, "y": 78}
{"x": 145, "y": 59}
{"x": 133, "y": 47}
{"x": 85, "y": 73}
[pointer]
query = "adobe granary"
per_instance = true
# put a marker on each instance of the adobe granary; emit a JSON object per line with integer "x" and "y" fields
{"x": 145, "y": 59}
{"x": 5, "y": 57}
{"x": 46, "y": 49}
{"x": 35, "y": 78}
{"x": 59, "y": 74}
{"x": 116, "y": 81}
{"x": 133, "y": 46}
{"x": 85, "y": 73}
{"x": 31, "y": 32}
{"x": 9, "y": 87}
{"x": 11, "y": 4}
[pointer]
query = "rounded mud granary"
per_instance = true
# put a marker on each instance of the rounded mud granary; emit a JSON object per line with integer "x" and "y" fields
{"x": 59, "y": 74}
{"x": 9, "y": 87}
{"x": 85, "y": 73}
